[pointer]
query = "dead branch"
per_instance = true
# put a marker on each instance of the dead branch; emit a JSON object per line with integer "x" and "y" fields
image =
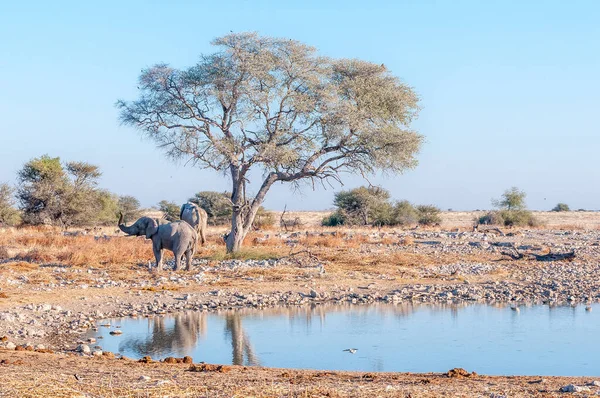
{"x": 516, "y": 255}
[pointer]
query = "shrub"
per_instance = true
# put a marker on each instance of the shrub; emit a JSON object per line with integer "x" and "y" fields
{"x": 335, "y": 219}
{"x": 428, "y": 215}
{"x": 491, "y": 218}
{"x": 8, "y": 214}
{"x": 364, "y": 206}
{"x": 519, "y": 218}
{"x": 561, "y": 207}
{"x": 405, "y": 213}
{"x": 510, "y": 218}
{"x": 170, "y": 210}
{"x": 130, "y": 207}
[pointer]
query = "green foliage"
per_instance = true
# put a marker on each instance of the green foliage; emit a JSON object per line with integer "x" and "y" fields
{"x": 107, "y": 208}
{"x": 53, "y": 194}
{"x": 217, "y": 205}
{"x": 405, "y": 213}
{"x": 510, "y": 218}
{"x": 364, "y": 206}
{"x": 171, "y": 210}
{"x": 130, "y": 207}
{"x": 511, "y": 199}
{"x": 335, "y": 219}
{"x": 428, "y": 215}
{"x": 561, "y": 207}
{"x": 9, "y": 215}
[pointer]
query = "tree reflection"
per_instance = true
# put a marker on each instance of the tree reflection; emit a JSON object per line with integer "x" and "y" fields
{"x": 240, "y": 343}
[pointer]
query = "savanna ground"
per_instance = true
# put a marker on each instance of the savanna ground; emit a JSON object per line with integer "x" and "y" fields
{"x": 43, "y": 265}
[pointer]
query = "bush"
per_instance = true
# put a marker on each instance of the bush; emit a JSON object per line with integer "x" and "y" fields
{"x": 335, "y": 219}
{"x": 428, "y": 215}
{"x": 364, "y": 206}
{"x": 170, "y": 210}
{"x": 491, "y": 218}
{"x": 130, "y": 207}
{"x": 510, "y": 218}
{"x": 561, "y": 207}
{"x": 8, "y": 214}
{"x": 405, "y": 213}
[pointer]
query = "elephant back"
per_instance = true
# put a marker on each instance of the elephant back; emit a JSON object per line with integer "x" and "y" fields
{"x": 190, "y": 213}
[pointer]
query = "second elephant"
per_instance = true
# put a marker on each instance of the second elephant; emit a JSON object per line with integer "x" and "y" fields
{"x": 196, "y": 217}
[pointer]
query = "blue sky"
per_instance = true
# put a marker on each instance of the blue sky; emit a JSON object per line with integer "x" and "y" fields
{"x": 510, "y": 89}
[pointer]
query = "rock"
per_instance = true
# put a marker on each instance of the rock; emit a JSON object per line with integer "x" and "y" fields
{"x": 144, "y": 378}
{"x": 40, "y": 347}
{"x": 188, "y": 360}
{"x": 83, "y": 348}
{"x": 313, "y": 293}
{"x": 10, "y": 345}
{"x": 116, "y": 332}
{"x": 594, "y": 383}
{"x": 573, "y": 388}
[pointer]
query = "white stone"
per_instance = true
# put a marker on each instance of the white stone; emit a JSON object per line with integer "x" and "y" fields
{"x": 97, "y": 353}
{"x": 144, "y": 378}
{"x": 573, "y": 388}
{"x": 84, "y": 348}
{"x": 10, "y": 345}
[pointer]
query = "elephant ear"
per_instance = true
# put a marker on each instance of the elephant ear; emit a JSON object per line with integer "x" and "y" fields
{"x": 151, "y": 228}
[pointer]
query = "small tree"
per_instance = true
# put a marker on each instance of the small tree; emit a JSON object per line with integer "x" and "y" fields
{"x": 512, "y": 199}
{"x": 512, "y": 211}
{"x": 9, "y": 215}
{"x": 274, "y": 105}
{"x": 130, "y": 207}
{"x": 170, "y": 209}
{"x": 362, "y": 205}
{"x": 428, "y": 215}
{"x": 561, "y": 207}
{"x": 42, "y": 191}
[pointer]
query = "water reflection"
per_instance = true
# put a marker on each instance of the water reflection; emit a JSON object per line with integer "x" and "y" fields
{"x": 491, "y": 339}
{"x": 176, "y": 334}
{"x": 240, "y": 343}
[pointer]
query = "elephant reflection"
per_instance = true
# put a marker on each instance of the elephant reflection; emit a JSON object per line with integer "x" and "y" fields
{"x": 180, "y": 338}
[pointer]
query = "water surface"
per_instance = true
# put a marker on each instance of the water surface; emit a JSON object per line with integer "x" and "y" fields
{"x": 537, "y": 340}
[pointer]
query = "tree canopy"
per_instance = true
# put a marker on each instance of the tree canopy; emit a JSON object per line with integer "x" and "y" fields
{"x": 274, "y": 104}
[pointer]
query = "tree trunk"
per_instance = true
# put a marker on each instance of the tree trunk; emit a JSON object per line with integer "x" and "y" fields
{"x": 243, "y": 215}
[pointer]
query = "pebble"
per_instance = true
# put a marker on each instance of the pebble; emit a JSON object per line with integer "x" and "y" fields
{"x": 573, "y": 388}
{"x": 144, "y": 378}
{"x": 83, "y": 348}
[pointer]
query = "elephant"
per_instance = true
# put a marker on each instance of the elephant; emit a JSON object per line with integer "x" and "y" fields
{"x": 196, "y": 217}
{"x": 178, "y": 237}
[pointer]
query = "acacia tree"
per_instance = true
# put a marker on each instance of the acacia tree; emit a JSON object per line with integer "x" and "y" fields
{"x": 275, "y": 105}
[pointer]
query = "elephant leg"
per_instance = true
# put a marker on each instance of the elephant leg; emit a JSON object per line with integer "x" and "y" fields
{"x": 158, "y": 257}
{"x": 202, "y": 235}
{"x": 188, "y": 258}
{"x": 178, "y": 253}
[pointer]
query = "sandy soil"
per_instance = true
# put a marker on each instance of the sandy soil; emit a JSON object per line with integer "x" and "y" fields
{"x": 25, "y": 374}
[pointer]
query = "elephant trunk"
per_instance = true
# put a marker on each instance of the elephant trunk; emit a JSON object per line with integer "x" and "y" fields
{"x": 128, "y": 230}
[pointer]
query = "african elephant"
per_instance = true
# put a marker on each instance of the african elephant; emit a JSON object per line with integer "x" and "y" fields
{"x": 178, "y": 237}
{"x": 196, "y": 217}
